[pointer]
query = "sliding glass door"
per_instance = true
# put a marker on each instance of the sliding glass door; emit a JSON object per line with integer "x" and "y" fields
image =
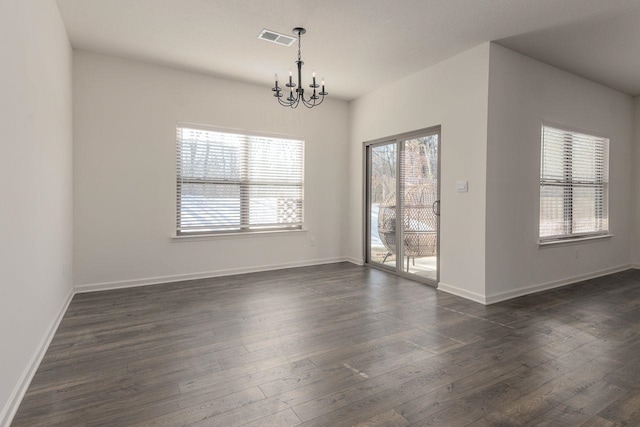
{"x": 402, "y": 204}
{"x": 382, "y": 186}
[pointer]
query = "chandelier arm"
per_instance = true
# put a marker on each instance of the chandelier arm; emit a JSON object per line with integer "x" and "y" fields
{"x": 313, "y": 102}
{"x": 283, "y": 103}
{"x": 292, "y": 103}
{"x": 309, "y": 104}
{"x": 317, "y": 102}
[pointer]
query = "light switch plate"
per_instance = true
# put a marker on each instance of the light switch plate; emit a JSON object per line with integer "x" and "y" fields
{"x": 462, "y": 186}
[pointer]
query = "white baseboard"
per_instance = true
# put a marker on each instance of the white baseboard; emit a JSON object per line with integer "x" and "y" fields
{"x": 122, "y": 284}
{"x": 11, "y": 407}
{"x": 510, "y": 294}
{"x": 454, "y": 290}
{"x": 355, "y": 261}
{"x": 532, "y": 289}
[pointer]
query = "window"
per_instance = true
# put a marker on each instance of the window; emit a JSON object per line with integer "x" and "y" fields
{"x": 574, "y": 185}
{"x": 234, "y": 182}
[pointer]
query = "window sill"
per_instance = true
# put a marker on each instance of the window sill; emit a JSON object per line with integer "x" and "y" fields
{"x": 231, "y": 236}
{"x": 578, "y": 240}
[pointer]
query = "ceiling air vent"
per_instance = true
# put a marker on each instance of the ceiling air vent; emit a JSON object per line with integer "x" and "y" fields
{"x": 273, "y": 37}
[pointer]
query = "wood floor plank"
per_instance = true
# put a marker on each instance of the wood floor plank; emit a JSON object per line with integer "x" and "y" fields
{"x": 495, "y": 419}
{"x": 598, "y": 422}
{"x": 340, "y": 345}
{"x": 625, "y": 410}
{"x": 536, "y": 404}
{"x": 386, "y": 419}
{"x": 463, "y": 400}
{"x": 356, "y": 405}
{"x": 279, "y": 419}
{"x": 203, "y": 412}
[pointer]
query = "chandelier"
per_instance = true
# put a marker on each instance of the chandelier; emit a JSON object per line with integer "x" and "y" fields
{"x": 296, "y": 92}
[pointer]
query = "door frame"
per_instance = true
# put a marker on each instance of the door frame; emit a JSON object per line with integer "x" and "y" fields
{"x": 397, "y": 139}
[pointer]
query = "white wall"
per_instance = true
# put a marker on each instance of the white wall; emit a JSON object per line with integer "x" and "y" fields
{"x": 452, "y": 94}
{"x": 522, "y": 94}
{"x": 125, "y": 115}
{"x": 35, "y": 188}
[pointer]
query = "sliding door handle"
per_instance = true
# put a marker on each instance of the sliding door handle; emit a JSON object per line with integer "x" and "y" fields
{"x": 435, "y": 207}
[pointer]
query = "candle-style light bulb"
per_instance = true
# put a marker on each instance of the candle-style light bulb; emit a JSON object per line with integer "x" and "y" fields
{"x": 276, "y": 78}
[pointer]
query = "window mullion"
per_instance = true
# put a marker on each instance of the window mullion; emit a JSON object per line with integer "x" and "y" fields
{"x": 568, "y": 187}
{"x": 245, "y": 193}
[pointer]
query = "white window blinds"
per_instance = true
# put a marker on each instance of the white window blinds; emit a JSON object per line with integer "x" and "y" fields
{"x": 574, "y": 185}
{"x": 232, "y": 182}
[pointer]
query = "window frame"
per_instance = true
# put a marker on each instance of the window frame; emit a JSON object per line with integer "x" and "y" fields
{"x": 244, "y": 227}
{"x": 567, "y": 183}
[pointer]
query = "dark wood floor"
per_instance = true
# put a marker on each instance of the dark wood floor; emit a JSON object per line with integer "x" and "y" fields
{"x": 341, "y": 345}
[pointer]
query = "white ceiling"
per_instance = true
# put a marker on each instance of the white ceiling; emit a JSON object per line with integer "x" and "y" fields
{"x": 358, "y": 45}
